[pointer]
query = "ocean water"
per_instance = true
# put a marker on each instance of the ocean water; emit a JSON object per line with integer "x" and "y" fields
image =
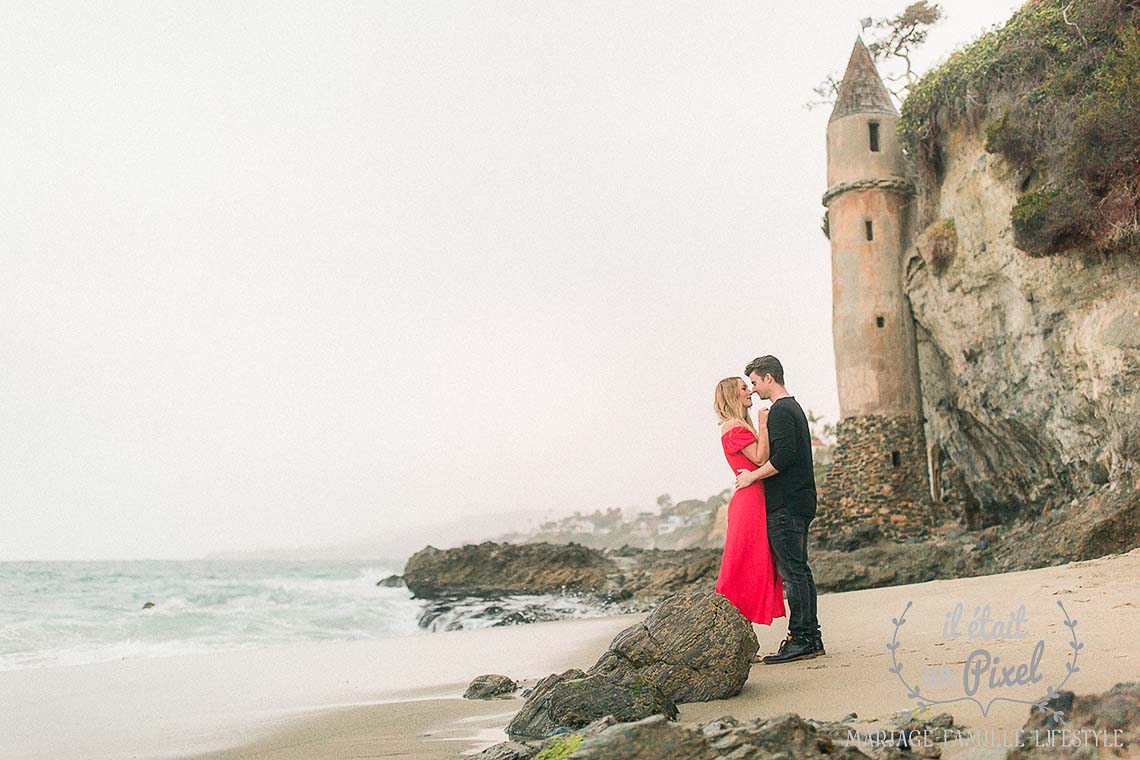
{"x": 64, "y": 613}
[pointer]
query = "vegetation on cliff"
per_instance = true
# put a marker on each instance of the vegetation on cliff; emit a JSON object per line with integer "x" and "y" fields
{"x": 1057, "y": 91}
{"x": 938, "y": 244}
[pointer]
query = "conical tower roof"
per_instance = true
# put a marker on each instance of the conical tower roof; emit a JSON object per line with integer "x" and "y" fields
{"x": 862, "y": 91}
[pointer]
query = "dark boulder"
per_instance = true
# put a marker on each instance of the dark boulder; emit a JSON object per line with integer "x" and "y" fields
{"x": 573, "y": 700}
{"x": 1113, "y": 718}
{"x": 884, "y": 564}
{"x": 491, "y": 569}
{"x": 656, "y": 573}
{"x": 849, "y": 539}
{"x": 509, "y": 751}
{"x": 783, "y": 736}
{"x": 694, "y": 646}
{"x": 788, "y": 734}
{"x": 559, "y": 746}
{"x": 392, "y": 581}
{"x": 490, "y": 686}
{"x": 653, "y": 738}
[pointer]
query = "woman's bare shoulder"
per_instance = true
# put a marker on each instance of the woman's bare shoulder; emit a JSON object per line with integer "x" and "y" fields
{"x": 730, "y": 424}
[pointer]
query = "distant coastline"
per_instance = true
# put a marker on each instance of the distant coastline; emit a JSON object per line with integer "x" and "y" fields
{"x": 394, "y": 547}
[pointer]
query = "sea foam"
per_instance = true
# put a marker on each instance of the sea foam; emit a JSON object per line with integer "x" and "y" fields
{"x": 69, "y": 613}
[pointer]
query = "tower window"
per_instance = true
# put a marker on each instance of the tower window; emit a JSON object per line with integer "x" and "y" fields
{"x": 870, "y": 229}
{"x": 873, "y": 129}
{"x": 880, "y": 322}
{"x": 896, "y": 458}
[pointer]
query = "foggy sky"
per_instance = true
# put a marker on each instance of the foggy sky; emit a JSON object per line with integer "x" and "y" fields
{"x": 276, "y": 273}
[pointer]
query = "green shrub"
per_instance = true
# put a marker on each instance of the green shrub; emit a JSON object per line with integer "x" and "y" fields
{"x": 1012, "y": 139}
{"x": 1048, "y": 221}
{"x": 1107, "y": 144}
{"x": 938, "y": 244}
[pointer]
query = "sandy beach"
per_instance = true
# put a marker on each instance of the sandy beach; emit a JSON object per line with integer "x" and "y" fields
{"x": 400, "y": 698}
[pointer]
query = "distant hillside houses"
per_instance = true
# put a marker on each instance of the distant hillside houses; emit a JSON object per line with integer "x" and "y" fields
{"x": 690, "y": 523}
{"x": 687, "y": 524}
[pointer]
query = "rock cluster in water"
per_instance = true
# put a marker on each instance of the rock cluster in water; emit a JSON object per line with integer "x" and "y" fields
{"x": 488, "y": 584}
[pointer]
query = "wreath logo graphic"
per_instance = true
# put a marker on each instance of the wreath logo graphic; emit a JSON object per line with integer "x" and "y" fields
{"x": 924, "y": 702}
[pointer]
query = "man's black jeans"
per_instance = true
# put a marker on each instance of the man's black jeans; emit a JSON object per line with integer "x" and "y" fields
{"x": 787, "y": 535}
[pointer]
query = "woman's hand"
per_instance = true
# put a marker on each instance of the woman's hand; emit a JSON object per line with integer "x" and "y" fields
{"x": 762, "y": 418}
{"x": 745, "y": 478}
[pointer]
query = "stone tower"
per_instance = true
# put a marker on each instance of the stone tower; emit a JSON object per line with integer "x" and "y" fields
{"x": 880, "y": 469}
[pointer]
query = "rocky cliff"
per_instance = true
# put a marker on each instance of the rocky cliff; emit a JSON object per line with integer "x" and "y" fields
{"x": 1030, "y": 367}
{"x": 1029, "y": 343}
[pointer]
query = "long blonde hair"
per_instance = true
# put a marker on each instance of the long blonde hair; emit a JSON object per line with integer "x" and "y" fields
{"x": 727, "y": 404}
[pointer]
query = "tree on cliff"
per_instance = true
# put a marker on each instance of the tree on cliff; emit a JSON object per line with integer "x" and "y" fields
{"x": 895, "y": 40}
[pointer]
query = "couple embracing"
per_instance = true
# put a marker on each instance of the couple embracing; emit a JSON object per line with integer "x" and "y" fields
{"x": 765, "y": 548}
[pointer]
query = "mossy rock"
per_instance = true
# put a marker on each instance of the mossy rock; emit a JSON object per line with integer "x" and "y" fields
{"x": 560, "y": 747}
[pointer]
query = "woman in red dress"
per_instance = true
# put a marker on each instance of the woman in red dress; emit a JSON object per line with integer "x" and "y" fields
{"x": 748, "y": 576}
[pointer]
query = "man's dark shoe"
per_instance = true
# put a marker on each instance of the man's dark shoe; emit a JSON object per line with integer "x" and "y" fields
{"x": 817, "y": 643}
{"x": 781, "y": 650}
{"x": 792, "y": 650}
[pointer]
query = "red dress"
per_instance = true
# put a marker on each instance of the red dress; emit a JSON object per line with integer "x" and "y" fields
{"x": 748, "y": 576}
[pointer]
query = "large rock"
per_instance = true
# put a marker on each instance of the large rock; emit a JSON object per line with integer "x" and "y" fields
{"x": 655, "y": 573}
{"x": 573, "y": 699}
{"x": 559, "y": 746}
{"x": 509, "y": 751}
{"x": 489, "y": 569}
{"x": 653, "y": 738}
{"x": 786, "y": 736}
{"x": 694, "y": 646}
{"x": 884, "y": 563}
{"x": 1107, "y": 522}
{"x": 477, "y": 585}
{"x": 490, "y": 686}
{"x": 1113, "y": 718}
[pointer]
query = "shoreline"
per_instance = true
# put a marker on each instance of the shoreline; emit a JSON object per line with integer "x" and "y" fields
{"x": 851, "y": 678}
{"x": 401, "y": 697}
{"x": 168, "y": 707}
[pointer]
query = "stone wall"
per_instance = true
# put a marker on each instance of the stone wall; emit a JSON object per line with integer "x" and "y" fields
{"x": 879, "y": 477}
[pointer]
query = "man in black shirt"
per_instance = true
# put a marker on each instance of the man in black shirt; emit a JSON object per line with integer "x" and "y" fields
{"x": 789, "y": 492}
